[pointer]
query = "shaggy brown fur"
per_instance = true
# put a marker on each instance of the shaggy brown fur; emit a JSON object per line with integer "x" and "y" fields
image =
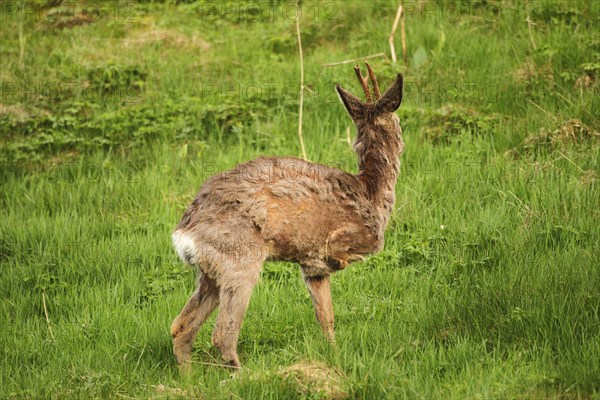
{"x": 287, "y": 209}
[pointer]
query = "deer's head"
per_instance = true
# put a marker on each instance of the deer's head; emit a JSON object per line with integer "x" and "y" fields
{"x": 379, "y": 131}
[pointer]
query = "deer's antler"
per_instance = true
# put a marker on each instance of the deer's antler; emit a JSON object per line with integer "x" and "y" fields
{"x": 363, "y": 82}
{"x": 374, "y": 80}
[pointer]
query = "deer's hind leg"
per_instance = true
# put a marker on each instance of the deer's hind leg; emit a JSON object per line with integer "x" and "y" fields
{"x": 233, "y": 300}
{"x": 187, "y": 324}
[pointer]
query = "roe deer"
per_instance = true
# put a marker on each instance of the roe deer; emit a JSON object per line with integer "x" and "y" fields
{"x": 288, "y": 209}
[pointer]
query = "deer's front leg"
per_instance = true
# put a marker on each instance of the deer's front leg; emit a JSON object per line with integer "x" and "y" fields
{"x": 320, "y": 292}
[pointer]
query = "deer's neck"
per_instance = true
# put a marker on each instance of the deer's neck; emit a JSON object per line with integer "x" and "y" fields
{"x": 378, "y": 170}
{"x": 379, "y": 173}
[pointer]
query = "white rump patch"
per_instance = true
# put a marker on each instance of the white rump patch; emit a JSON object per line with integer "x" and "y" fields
{"x": 185, "y": 247}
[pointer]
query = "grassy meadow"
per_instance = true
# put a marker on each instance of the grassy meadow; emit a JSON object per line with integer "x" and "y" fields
{"x": 112, "y": 114}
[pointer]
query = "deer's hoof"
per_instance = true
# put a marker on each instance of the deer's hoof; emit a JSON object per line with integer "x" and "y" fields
{"x": 185, "y": 368}
{"x": 233, "y": 364}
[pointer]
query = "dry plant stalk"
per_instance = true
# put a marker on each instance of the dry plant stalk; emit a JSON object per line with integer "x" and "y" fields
{"x": 391, "y": 38}
{"x": 21, "y": 41}
{"x": 46, "y": 314}
{"x": 403, "y": 36}
{"x": 348, "y": 138}
{"x": 353, "y": 60}
{"x": 529, "y": 26}
{"x": 301, "y": 105}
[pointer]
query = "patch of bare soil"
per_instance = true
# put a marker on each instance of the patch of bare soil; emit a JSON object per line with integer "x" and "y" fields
{"x": 69, "y": 15}
{"x": 589, "y": 178}
{"x": 167, "y": 37}
{"x": 584, "y": 82}
{"x": 570, "y": 131}
{"x": 314, "y": 377}
{"x": 529, "y": 73}
{"x": 17, "y": 112}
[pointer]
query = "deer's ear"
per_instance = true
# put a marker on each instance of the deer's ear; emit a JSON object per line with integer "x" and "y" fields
{"x": 353, "y": 104}
{"x": 391, "y": 99}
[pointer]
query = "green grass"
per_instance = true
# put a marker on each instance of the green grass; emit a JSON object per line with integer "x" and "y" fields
{"x": 488, "y": 286}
